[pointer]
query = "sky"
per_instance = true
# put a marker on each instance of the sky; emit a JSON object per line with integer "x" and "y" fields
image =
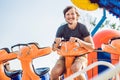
{"x": 24, "y": 21}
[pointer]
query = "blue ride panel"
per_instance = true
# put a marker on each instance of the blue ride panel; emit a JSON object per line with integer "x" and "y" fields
{"x": 113, "y": 6}
{"x": 45, "y": 77}
{"x": 18, "y": 77}
{"x": 103, "y": 56}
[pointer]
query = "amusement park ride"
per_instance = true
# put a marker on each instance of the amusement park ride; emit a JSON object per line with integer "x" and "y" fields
{"x": 6, "y": 55}
{"x": 25, "y": 53}
{"x": 107, "y": 45}
{"x": 110, "y": 49}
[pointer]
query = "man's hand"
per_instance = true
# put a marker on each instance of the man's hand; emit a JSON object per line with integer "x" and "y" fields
{"x": 56, "y": 44}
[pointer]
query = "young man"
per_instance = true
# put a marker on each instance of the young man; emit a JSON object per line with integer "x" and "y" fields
{"x": 72, "y": 31}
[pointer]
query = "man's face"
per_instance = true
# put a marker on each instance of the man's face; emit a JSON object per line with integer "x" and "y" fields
{"x": 71, "y": 16}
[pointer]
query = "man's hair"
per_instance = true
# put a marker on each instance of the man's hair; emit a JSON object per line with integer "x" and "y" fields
{"x": 68, "y": 8}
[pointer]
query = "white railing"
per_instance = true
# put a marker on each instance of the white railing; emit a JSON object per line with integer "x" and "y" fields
{"x": 109, "y": 73}
{"x": 111, "y": 66}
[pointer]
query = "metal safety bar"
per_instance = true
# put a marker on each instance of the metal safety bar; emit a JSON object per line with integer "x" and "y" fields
{"x": 71, "y": 77}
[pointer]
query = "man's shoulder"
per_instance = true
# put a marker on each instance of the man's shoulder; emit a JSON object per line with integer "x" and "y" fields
{"x": 62, "y": 26}
{"x": 81, "y": 24}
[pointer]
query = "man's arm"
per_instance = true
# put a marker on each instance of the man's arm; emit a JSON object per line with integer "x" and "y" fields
{"x": 87, "y": 43}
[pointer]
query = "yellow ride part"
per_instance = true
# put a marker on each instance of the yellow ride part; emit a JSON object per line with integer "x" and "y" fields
{"x": 85, "y": 4}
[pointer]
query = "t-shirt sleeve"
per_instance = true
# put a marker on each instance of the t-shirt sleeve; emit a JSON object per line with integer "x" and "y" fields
{"x": 85, "y": 31}
{"x": 59, "y": 32}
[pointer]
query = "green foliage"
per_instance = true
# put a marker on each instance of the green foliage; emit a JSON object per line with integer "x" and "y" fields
{"x": 107, "y": 24}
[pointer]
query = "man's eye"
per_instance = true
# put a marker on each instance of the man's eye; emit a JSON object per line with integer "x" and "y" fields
{"x": 67, "y": 14}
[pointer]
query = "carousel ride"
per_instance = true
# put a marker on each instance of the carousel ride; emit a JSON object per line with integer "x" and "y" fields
{"x": 6, "y": 55}
{"x": 106, "y": 41}
{"x": 25, "y": 53}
